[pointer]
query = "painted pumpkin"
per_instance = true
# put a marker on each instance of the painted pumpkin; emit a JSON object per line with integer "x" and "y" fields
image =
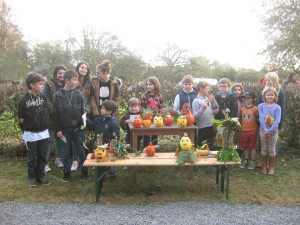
{"x": 181, "y": 121}
{"x": 168, "y": 120}
{"x": 189, "y": 118}
{"x": 100, "y": 153}
{"x": 147, "y": 123}
{"x": 158, "y": 121}
{"x": 186, "y": 143}
{"x": 147, "y": 116}
{"x": 150, "y": 150}
{"x": 137, "y": 121}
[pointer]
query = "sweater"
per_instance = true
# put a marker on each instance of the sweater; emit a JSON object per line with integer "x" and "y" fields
{"x": 203, "y": 118}
{"x": 274, "y": 111}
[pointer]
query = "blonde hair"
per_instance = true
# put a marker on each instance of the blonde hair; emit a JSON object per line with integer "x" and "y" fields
{"x": 269, "y": 89}
{"x": 133, "y": 101}
{"x": 155, "y": 82}
{"x": 240, "y": 86}
{"x": 274, "y": 79}
{"x": 201, "y": 84}
{"x": 225, "y": 81}
{"x": 187, "y": 79}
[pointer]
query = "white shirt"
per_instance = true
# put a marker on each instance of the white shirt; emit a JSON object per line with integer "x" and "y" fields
{"x": 29, "y": 136}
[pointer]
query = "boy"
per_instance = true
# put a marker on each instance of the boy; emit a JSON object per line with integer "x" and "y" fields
{"x": 249, "y": 120}
{"x": 226, "y": 100}
{"x": 107, "y": 127}
{"x": 204, "y": 114}
{"x": 133, "y": 109}
{"x": 68, "y": 108}
{"x": 187, "y": 94}
{"x": 33, "y": 123}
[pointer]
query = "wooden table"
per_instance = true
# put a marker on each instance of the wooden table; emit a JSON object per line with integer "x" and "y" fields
{"x": 160, "y": 159}
{"x": 174, "y": 129}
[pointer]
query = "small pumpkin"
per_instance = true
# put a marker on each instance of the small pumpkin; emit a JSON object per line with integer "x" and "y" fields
{"x": 150, "y": 150}
{"x": 189, "y": 118}
{"x": 168, "y": 120}
{"x": 158, "y": 121}
{"x": 147, "y": 123}
{"x": 181, "y": 121}
{"x": 137, "y": 121}
{"x": 147, "y": 116}
{"x": 186, "y": 143}
{"x": 100, "y": 153}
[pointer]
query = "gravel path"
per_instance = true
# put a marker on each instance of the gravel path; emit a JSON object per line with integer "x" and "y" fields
{"x": 154, "y": 213}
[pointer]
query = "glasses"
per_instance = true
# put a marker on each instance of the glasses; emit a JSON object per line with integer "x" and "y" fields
{"x": 223, "y": 86}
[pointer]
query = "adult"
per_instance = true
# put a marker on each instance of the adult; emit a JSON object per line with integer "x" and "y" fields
{"x": 291, "y": 80}
{"x": 50, "y": 88}
{"x": 272, "y": 81}
{"x": 105, "y": 88}
{"x": 85, "y": 86}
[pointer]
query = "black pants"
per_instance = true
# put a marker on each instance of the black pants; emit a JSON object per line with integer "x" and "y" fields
{"x": 207, "y": 134}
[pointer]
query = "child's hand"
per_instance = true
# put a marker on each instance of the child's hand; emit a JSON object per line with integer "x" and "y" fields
{"x": 128, "y": 121}
{"x": 216, "y": 110}
{"x": 266, "y": 133}
{"x": 204, "y": 106}
{"x": 59, "y": 134}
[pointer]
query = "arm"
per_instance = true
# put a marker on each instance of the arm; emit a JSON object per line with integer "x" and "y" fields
{"x": 123, "y": 122}
{"x": 116, "y": 130}
{"x": 281, "y": 103}
{"x": 176, "y": 104}
{"x": 197, "y": 109}
{"x": 21, "y": 113}
{"x": 94, "y": 105}
{"x": 260, "y": 98}
{"x": 262, "y": 122}
{"x": 49, "y": 97}
{"x": 233, "y": 107}
{"x": 277, "y": 120}
{"x": 55, "y": 114}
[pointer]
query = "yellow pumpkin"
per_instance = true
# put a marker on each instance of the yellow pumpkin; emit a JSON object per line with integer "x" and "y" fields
{"x": 100, "y": 153}
{"x": 186, "y": 143}
{"x": 181, "y": 121}
{"x": 158, "y": 121}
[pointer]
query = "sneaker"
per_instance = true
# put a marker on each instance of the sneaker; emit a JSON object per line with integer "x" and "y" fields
{"x": 244, "y": 164}
{"x": 208, "y": 169}
{"x": 85, "y": 174}
{"x": 43, "y": 181}
{"x": 66, "y": 177}
{"x": 251, "y": 166}
{"x": 126, "y": 168}
{"x": 74, "y": 166}
{"x": 58, "y": 162}
{"x": 47, "y": 168}
{"x": 32, "y": 183}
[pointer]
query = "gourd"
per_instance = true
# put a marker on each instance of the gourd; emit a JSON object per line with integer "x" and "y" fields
{"x": 168, "y": 120}
{"x": 181, "y": 121}
{"x": 158, "y": 121}
{"x": 137, "y": 121}
{"x": 150, "y": 150}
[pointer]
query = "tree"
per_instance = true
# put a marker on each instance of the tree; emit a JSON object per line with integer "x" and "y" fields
{"x": 282, "y": 27}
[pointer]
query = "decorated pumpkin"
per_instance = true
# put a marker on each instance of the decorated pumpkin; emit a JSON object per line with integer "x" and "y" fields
{"x": 186, "y": 143}
{"x": 181, "y": 121}
{"x": 147, "y": 116}
{"x": 189, "y": 118}
{"x": 150, "y": 150}
{"x": 158, "y": 121}
{"x": 100, "y": 153}
{"x": 137, "y": 121}
{"x": 147, "y": 123}
{"x": 168, "y": 120}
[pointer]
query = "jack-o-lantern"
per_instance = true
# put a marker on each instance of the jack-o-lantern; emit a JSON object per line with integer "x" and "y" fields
{"x": 168, "y": 120}
{"x": 181, "y": 121}
{"x": 186, "y": 143}
{"x": 137, "y": 121}
{"x": 158, "y": 121}
{"x": 147, "y": 123}
{"x": 189, "y": 118}
{"x": 150, "y": 150}
{"x": 147, "y": 116}
{"x": 100, "y": 153}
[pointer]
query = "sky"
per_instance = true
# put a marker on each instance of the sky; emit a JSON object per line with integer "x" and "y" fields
{"x": 228, "y": 31}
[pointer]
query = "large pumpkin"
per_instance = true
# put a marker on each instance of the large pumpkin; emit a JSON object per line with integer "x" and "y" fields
{"x": 150, "y": 150}
{"x": 137, "y": 121}
{"x": 181, "y": 121}
{"x": 147, "y": 123}
{"x": 158, "y": 121}
{"x": 189, "y": 118}
{"x": 168, "y": 120}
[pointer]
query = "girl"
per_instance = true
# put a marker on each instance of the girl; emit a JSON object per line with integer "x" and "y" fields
{"x": 153, "y": 100}
{"x": 85, "y": 86}
{"x": 292, "y": 79}
{"x": 50, "y": 88}
{"x": 269, "y": 118}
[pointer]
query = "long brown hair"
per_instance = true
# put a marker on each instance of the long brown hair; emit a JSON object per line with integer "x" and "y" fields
{"x": 56, "y": 69}
{"x": 155, "y": 82}
{"x": 85, "y": 86}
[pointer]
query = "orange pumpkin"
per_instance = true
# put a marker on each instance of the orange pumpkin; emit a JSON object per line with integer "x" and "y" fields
{"x": 147, "y": 116}
{"x": 189, "y": 118}
{"x": 150, "y": 150}
{"x": 168, "y": 120}
{"x": 147, "y": 123}
{"x": 137, "y": 121}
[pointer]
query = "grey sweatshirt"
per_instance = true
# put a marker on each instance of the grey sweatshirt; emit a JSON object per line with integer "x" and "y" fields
{"x": 202, "y": 118}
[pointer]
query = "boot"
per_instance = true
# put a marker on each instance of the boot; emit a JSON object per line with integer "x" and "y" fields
{"x": 85, "y": 174}
{"x": 264, "y": 164}
{"x": 66, "y": 177}
{"x": 272, "y": 165}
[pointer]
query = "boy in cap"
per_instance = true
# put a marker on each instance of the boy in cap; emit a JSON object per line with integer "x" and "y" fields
{"x": 249, "y": 120}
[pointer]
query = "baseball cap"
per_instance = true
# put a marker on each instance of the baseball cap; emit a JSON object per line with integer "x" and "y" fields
{"x": 248, "y": 94}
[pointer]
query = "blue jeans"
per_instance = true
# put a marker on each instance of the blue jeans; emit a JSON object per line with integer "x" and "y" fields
{"x": 78, "y": 139}
{"x": 37, "y": 152}
{"x": 75, "y": 152}
{"x": 57, "y": 147}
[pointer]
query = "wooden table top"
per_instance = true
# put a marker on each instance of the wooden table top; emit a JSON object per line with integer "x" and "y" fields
{"x": 163, "y": 127}
{"x": 160, "y": 159}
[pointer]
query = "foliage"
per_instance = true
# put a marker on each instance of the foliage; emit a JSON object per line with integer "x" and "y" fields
{"x": 228, "y": 156}
{"x": 186, "y": 157}
{"x": 281, "y": 22}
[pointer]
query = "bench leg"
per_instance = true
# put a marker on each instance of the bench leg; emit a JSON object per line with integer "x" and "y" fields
{"x": 227, "y": 183}
{"x": 222, "y": 178}
{"x": 217, "y": 175}
{"x": 99, "y": 177}
{"x": 134, "y": 173}
{"x": 191, "y": 172}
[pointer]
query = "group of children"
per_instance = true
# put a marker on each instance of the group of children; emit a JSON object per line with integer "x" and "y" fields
{"x": 69, "y": 120}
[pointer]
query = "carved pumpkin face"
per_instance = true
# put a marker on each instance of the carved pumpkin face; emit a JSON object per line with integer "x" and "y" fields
{"x": 100, "y": 154}
{"x": 137, "y": 121}
{"x": 181, "y": 121}
{"x": 168, "y": 120}
{"x": 186, "y": 143}
{"x": 189, "y": 118}
{"x": 158, "y": 121}
{"x": 150, "y": 150}
{"x": 147, "y": 123}
{"x": 147, "y": 116}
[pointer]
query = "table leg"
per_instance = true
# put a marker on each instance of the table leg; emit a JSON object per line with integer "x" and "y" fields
{"x": 99, "y": 177}
{"x": 134, "y": 140}
{"x": 217, "y": 175}
{"x": 134, "y": 173}
{"x": 191, "y": 171}
{"x": 227, "y": 183}
{"x": 222, "y": 178}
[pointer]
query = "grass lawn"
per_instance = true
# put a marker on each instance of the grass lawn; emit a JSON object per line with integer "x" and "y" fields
{"x": 160, "y": 184}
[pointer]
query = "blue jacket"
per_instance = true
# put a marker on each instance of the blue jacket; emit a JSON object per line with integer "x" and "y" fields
{"x": 187, "y": 97}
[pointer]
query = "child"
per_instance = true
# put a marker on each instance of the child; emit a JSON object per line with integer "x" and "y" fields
{"x": 153, "y": 100}
{"x": 108, "y": 127}
{"x": 269, "y": 118}
{"x": 238, "y": 91}
{"x": 133, "y": 109}
{"x": 226, "y": 100}
{"x": 68, "y": 109}
{"x": 187, "y": 94}
{"x": 204, "y": 114}
{"x": 33, "y": 123}
{"x": 249, "y": 119}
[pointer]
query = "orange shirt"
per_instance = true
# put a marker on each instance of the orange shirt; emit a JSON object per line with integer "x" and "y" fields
{"x": 249, "y": 118}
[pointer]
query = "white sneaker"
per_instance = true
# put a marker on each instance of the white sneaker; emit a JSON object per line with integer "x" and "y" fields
{"x": 58, "y": 162}
{"x": 47, "y": 168}
{"x": 74, "y": 165}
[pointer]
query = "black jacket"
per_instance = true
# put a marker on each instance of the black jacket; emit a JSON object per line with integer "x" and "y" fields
{"x": 32, "y": 109}
{"x": 228, "y": 102}
{"x": 68, "y": 108}
{"x": 125, "y": 125}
